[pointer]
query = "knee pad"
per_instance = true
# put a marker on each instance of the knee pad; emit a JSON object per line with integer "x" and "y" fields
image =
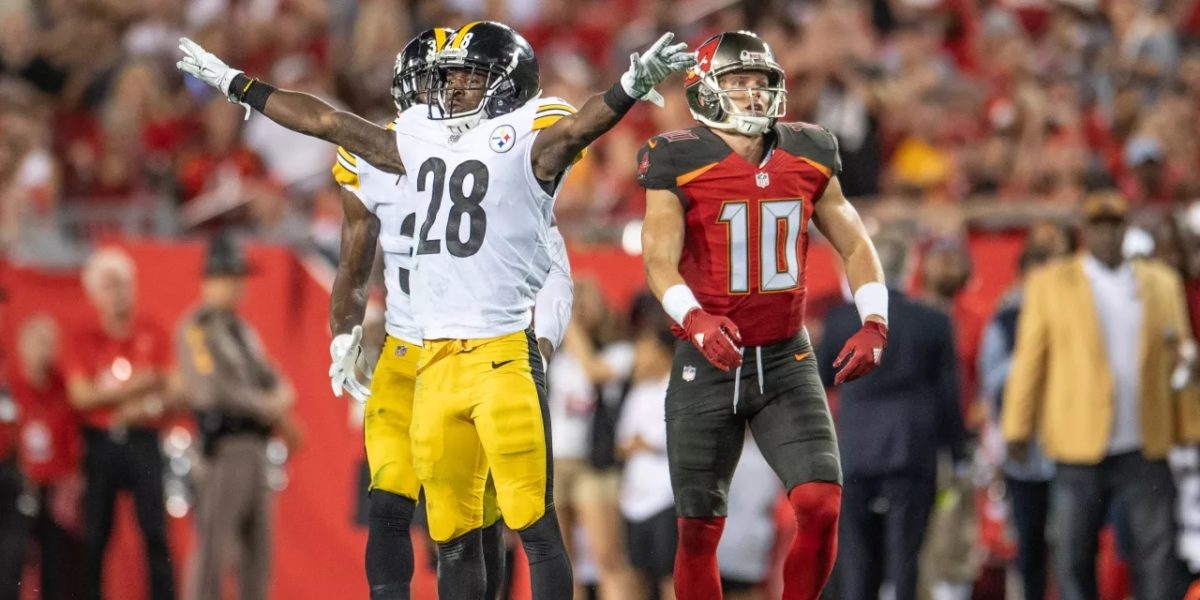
{"x": 396, "y": 478}
{"x": 543, "y": 541}
{"x": 816, "y": 503}
{"x": 699, "y": 534}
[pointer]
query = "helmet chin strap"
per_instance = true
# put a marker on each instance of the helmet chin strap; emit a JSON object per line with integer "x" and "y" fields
{"x": 751, "y": 126}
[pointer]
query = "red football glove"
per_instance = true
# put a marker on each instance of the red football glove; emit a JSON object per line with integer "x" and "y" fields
{"x": 716, "y": 337}
{"x": 861, "y": 353}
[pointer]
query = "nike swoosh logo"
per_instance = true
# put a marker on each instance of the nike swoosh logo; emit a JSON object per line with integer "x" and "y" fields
{"x": 801, "y": 356}
{"x": 497, "y": 365}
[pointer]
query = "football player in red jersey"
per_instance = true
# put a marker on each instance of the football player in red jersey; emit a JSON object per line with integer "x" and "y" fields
{"x": 728, "y": 209}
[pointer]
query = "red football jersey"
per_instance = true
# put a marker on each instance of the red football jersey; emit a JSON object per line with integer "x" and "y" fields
{"x": 94, "y": 354}
{"x": 746, "y": 241}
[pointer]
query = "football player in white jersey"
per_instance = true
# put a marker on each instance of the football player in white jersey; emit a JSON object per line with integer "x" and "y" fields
{"x": 484, "y": 162}
{"x": 376, "y": 210}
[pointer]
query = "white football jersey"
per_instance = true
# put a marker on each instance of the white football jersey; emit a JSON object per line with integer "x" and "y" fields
{"x": 483, "y": 220}
{"x": 383, "y": 194}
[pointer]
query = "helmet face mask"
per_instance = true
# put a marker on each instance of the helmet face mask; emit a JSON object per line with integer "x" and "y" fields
{"x": 486, "y": 70}
{"x": 731, "y": 59}
{"x": 412, "y": 75}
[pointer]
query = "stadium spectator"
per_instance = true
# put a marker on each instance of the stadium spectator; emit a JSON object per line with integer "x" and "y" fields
{"x": 891, "y": 425}
{"x": 1027, "y": 482}
{"x": 647, "y": 502}
{"x": 587, "y": 477}
{"x": 13, "y": 512}
{"x": 50, "y": 451}
{"x": 1096, "y": 345}
{"x": 117, "y": 369}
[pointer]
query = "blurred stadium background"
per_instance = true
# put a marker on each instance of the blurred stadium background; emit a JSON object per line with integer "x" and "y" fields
{"x": 963, "y": 125}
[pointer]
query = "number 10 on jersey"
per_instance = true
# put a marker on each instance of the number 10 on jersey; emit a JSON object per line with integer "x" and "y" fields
{"x": 779, "y": 223}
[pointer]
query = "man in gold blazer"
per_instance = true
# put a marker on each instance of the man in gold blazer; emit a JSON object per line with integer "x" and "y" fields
{"x": 1097, "y": 342}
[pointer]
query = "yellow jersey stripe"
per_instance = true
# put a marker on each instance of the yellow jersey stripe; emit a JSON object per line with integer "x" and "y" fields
{"x": 345, "y": 154}
{"x": 346, "y": 165}
{"x": 439, "y": 38}
{"x": 462, "y": 33}
{"x": 547, "y": 113}
{"x": 557, "y": 106}
{"x": 343, "y": 176}
{"x": 544, "y": 122}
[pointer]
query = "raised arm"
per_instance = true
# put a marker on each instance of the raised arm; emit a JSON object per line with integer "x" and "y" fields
{"x": 300, "y": 112}
{"x": 556, "y": 147}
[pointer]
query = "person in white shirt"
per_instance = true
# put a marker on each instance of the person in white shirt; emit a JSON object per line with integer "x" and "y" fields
{"x": 586, "y": 476}
{"x": 647, "y": 502}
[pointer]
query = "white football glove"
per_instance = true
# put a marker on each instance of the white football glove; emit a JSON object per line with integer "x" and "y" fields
{"x": 206, "y": 67}
{"x": 647, "y": 70}
{"x": 346, "y": 352}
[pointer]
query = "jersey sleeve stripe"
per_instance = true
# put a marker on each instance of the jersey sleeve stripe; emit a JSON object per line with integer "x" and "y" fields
{"x": 681, "y": 180}
{"x": 343, "y": 176}
{"x": 556, "y": 112}
{"x": 541, "y": 123}
{"x": 818, "y": 166}
{"x": 345, "y": 155}
{"x": 353, "y": 168}
{"x": 556, "y": 106}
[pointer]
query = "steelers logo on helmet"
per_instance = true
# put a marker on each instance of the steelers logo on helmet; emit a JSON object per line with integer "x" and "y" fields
{"x": 412, "y": 74}
{"x": 486, "y": 70}
{"x": 733, "y": 103}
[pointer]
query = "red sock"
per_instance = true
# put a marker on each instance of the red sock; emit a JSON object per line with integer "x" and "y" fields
{"x": 696, "y": 573}
{"x": 810, "y": 558}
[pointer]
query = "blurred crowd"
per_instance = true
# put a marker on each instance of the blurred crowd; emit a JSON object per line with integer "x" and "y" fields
{"x": 932, "y": 100}
{"x": 1020, "y": 108}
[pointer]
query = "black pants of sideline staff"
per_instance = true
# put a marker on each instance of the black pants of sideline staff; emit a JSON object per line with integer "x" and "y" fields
{"x": 131, "y": 462}
{"x": 1081, "y": 496}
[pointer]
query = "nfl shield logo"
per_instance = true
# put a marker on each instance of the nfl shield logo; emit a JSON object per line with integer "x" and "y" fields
{"x": 762, "y": 180}
{"x": 401, "y": 350}
{"x": 689, "y": 373}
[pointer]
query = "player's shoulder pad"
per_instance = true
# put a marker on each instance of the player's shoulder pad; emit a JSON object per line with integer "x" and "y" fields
{"x": 669, "y": 160}
{"x": 345, "y": 169}
{"x": 549, "y": 111}
{"x": 811, "y": 142}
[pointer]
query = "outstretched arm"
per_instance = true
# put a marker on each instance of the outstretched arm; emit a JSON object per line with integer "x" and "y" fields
{"x": 297, "y": 111}
{"x": 556, "y": 147}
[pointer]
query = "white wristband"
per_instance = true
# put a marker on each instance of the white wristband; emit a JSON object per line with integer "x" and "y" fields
{"x": 872, "y": 299}
{"x": 678, "y": 301}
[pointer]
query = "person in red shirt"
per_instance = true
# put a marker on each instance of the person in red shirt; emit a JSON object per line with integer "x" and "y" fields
{"x": 116, "y": 371}
{"x": 49, "y": 455}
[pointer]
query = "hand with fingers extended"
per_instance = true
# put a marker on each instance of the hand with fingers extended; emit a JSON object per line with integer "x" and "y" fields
{"x": 346, "y": 352}
{"x": 205, "y": 66}
{"x": 862, "y": 352}
{"x": 716, "y": 337}
{"x": 649, "y": 69}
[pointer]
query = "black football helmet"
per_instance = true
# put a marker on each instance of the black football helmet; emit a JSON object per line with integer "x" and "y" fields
{"x": 413, "y": 73}
{"x": 492, "y": 49}
{"x": 725, "y": 53}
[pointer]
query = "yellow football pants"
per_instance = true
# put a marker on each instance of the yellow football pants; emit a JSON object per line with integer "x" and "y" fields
{"x": 477, "y": 405}
{"x": 387, "y": 421}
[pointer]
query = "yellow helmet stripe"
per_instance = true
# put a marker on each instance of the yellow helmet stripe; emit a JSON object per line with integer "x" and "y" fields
{"x": 462, "y": 33}
{"x": 439, "y": 38}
